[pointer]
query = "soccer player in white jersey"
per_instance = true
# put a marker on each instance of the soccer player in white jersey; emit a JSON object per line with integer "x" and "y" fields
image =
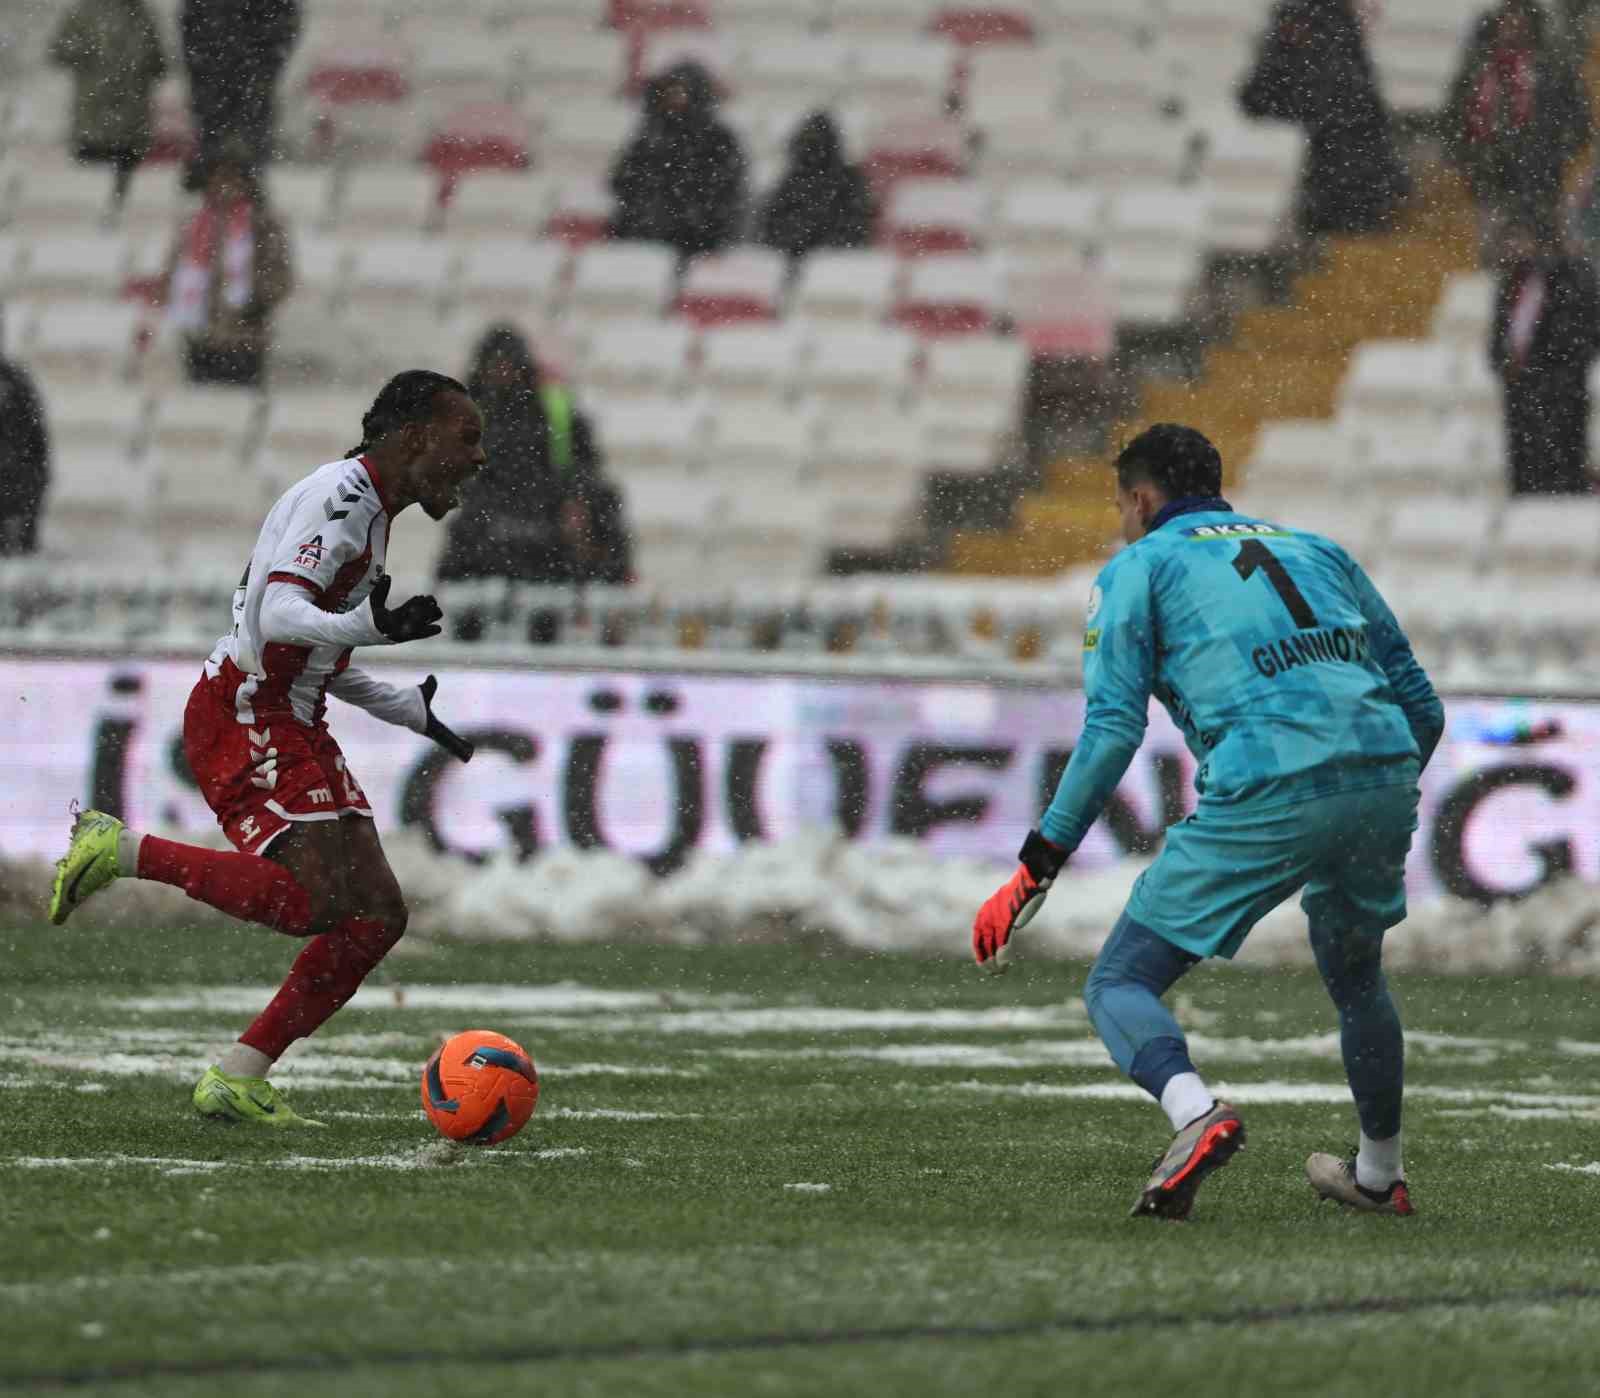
{"x": 307, "y": 861}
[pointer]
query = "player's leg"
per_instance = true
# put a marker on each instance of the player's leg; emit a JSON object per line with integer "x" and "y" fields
{"x": 1216, "y": 876}
{"x": 1349, "y": 907}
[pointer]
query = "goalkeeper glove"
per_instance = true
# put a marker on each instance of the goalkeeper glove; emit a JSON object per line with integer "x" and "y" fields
{"x": 451, "y": 742}
{"x": 1014, "y": 905}
{"x": 413, "y": 620}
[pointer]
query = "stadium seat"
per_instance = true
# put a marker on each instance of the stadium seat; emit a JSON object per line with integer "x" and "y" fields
{"x": 499, "y": 203}
{"x": 757, "y": 450}
{"x": 451, "y": 63}
{"x": 741, "y": 284}
{"x": 845, "y": 286}
{"x": 92, "y": 492}
{"x": 304, "y": 197}
{"x": 585, "y": 138}
{"x": 915, "y": 74}
{"x": 860, "y": 366}
{"x": 73, "y": 266}
{"x": 956, "y": 294}
{"x": 751, "y": 361}
{"x": 1454, "y": 532}
{"x": 1253, "y": 172}
{"x": 805, "y": 71}
{"x": 307, "y": 429}
{"x": 978, "y": 24}
{"x": 867, "y": 19}
{"x": 218, "y": 421}
{"x": 1465, "y": 312}
{"x": 580, "y": 210}
{"x": 1049, "y": 218}
{"x": 648, "y": 434}
{"x": 389, "y": 201}
{"x": 111, "y": 418}
{"x": 469, "y": 136}
{"x": 512, "y": 275}
{"x": 900, "y": 148}
{"x": 627, "y": 280}
{"x": 670, "y": 511}
{"x": 1135, "y": 153}
{"x": 400, "y": 270}
{"x": 312, "y": 348}
{"x": 870, "y": 466}
{"x": 582, "y": 65}
{"x": 631, "y": 359}
{"x": 85, "y": 341}
{"x": 1553, "y": 536}
{"x": 974, "y": 368}
{"x": 58, "y": 199}
{"x": 719, "y": 53}
{"x": 1112, "y": 84}
{"x": 1392, "y": 378}
{"x": 1060, "y": 308}
{"x": 157, "y": 204}
{"x": 1016, "y": 145}
{"x": 350, "y": 65}
{"x": 321, "y": 268}
{"x": 1456, "y": 456}
{"x": 193, "y": 485}
{"x": 768, "y": 534}
{"x": 1306, "y": 456}
{"x": 936, "y": 216}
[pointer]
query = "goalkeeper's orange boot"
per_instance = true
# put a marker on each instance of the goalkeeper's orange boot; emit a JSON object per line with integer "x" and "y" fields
{"x": 1207, "y": 1143}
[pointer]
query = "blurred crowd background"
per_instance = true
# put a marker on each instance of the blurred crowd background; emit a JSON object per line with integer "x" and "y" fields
{"x": 827, "y": 311}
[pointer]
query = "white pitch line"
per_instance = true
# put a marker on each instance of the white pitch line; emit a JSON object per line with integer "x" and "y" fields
{"x": 1271, "y": 1093}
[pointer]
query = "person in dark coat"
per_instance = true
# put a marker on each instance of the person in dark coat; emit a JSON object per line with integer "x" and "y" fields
{"x": 235, "y": 51}
{"x": 1545, "y": 335}
{"x": 24, "y": 460}
{"x": 1517, "y": 114}
{"x": 822, "y": 201}
{"x": 1313, "y": 68}
{"x": 113, "y": 51}
{"x": 541, "y": 511}
{"x": 682, "y": 178}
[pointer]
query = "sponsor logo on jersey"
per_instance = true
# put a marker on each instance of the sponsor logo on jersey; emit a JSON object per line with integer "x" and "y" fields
{"x": 320, "y": 796}
{"x": 1091, "y": 638}
{"x": 309, "y": 554}
{"x": 1335, "y": 644}
{"x": 1236, "y": 531}
{"x": 248, "y": 829}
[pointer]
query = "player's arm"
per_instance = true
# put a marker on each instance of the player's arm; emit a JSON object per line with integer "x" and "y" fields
{"x": 1392, "y": 650}
{"x": 1119, "y": 672}
{"x": 406, "y": 706}
{"x": 291, "y": 613}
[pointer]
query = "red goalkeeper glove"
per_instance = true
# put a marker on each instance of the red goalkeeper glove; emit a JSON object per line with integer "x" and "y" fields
{"x": 1014, "y": 905}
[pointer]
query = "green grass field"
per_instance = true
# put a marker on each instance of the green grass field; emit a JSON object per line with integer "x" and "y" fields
{"x": 775, "y": 1172}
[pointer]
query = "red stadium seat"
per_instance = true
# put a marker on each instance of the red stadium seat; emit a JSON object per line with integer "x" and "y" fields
{"x": 930, "y": 148}
{"x": 581, "y": 211}
{"x": 744, "y": 284}
{"x": 479, "y": 136}
{"x": 935, "y": 216}
{"x": 974, "y": 24}
{"x": 957, "y": 294}
{"x": 1060, "y": 310}
{"x": 640, "y": 16}
{"x": 360, "y": 67}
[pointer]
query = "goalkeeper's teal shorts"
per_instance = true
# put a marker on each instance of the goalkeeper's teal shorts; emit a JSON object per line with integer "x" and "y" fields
{"x": 1227, "y": 866}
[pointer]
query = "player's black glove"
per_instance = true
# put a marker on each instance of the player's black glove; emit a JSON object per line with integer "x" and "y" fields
{"x": 413, "y": 620}
{"x": 452, "y": 743}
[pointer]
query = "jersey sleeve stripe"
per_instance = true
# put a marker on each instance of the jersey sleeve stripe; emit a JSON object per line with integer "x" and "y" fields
{"x": 304, "y": 582}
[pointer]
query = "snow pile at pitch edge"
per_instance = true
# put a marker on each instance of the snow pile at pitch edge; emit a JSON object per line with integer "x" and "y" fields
{"x": 892, "y": 895}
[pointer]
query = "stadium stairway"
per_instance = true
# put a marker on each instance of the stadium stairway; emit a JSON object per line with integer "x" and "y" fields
{"x": 1282, "y": 361}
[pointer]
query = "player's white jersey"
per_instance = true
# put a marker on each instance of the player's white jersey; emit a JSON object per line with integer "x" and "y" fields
{"x": 330, "y": 535}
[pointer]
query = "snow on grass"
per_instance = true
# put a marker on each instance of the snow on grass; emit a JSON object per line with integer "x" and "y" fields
{"x": 1592, "y": 1168}
{"x": 562, "y": 997}
{"x": 805, "y": 1188}
{"x": 431, "y": 1156}
{"x": 617, "y": 1114}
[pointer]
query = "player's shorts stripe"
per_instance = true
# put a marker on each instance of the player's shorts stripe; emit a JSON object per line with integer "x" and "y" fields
{"x": 278, "y": 810}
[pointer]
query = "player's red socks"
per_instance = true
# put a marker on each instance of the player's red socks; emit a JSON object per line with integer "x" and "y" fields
{"x": 324, "y": 976}
{"x": 243, "y": 885}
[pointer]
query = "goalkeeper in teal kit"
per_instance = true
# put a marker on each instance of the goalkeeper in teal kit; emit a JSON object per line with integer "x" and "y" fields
{"x": 1310, "y": 720}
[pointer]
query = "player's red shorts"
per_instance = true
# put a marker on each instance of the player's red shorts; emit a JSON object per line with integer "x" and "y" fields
{"x": 262, "y": 778}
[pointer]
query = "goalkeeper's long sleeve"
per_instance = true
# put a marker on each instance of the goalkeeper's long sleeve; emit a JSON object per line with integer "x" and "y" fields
{"x": 1392, "y": 650}
{"x": 289, "y": 616}
{"x": 401, "y": 705}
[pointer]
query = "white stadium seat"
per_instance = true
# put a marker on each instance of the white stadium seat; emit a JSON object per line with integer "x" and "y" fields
{"x": 954, "y": 294}
{"x": 1049, "y": 218}
{"x": 1551, "y": 536}
{"x": 85, "y": 341}
{"x": 399, "y": 270}
{"x": 1465, "y": 312}
{"x": 648, "y": 434}
{"x": 389, "y": 201}
{"x": 73, "y": 266}
{"x": 580, "y": 65}
{"x": 845, "y": 286}
{"x": 1135, "y": 152}
{"x": 1393, "y": 378}
{"x": 860, "y": 365}
{"x": 500, "y": 203}
{"x": 220, "y": 421}
{"x": 936, "y": 216}
{"x": 638, "y": 358}
{"x": 751, "y": 361}
{"x": 303, "y": 197}
{"x": 915, "y": 73}
{"x": 311, "y": 428}
{"x": 54, "y": 199}
{"x": 113, "y": 417}
{"x": 510, "y": 275}
{"x": 808, "y": 70}
{"x": 1449, "y": 531}
{"x": 743, "y": 283}
{"x": 586, "y": 137}
{"x": 628, "y": 280}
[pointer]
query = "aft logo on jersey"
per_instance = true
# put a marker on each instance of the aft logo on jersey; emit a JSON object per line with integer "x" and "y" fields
{"x": 309, "y": 554}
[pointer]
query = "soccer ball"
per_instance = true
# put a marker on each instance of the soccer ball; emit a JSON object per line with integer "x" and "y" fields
{"x": 480, "y": 1088}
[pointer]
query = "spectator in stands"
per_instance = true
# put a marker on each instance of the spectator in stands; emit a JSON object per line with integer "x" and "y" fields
{"x": 228, "y": 271}
{"x": 1313, "y": 69}
{"x": 822, "y": 201}
{"x": 24, "y": 460}
{"x": 114, "y": 54}
{"x": 1516, "y": 115}
{"x": 235, "y": 51}
{"x": 1545, "y": 335}
{"x": 541, "y": 511}
{"x": 682, "y": 179}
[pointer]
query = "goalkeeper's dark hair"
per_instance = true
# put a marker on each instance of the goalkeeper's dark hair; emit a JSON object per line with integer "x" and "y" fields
{"x": 406, "y": 399}
{"x": 1177, "y": 460}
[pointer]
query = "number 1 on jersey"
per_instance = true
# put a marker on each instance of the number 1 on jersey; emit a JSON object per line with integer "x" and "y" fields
{"x": 1254, "y": 554}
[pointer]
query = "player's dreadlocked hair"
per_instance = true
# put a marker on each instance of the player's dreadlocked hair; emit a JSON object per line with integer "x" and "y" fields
{"x": 405, "y": 399}
{"x": 1177, "y": 460}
